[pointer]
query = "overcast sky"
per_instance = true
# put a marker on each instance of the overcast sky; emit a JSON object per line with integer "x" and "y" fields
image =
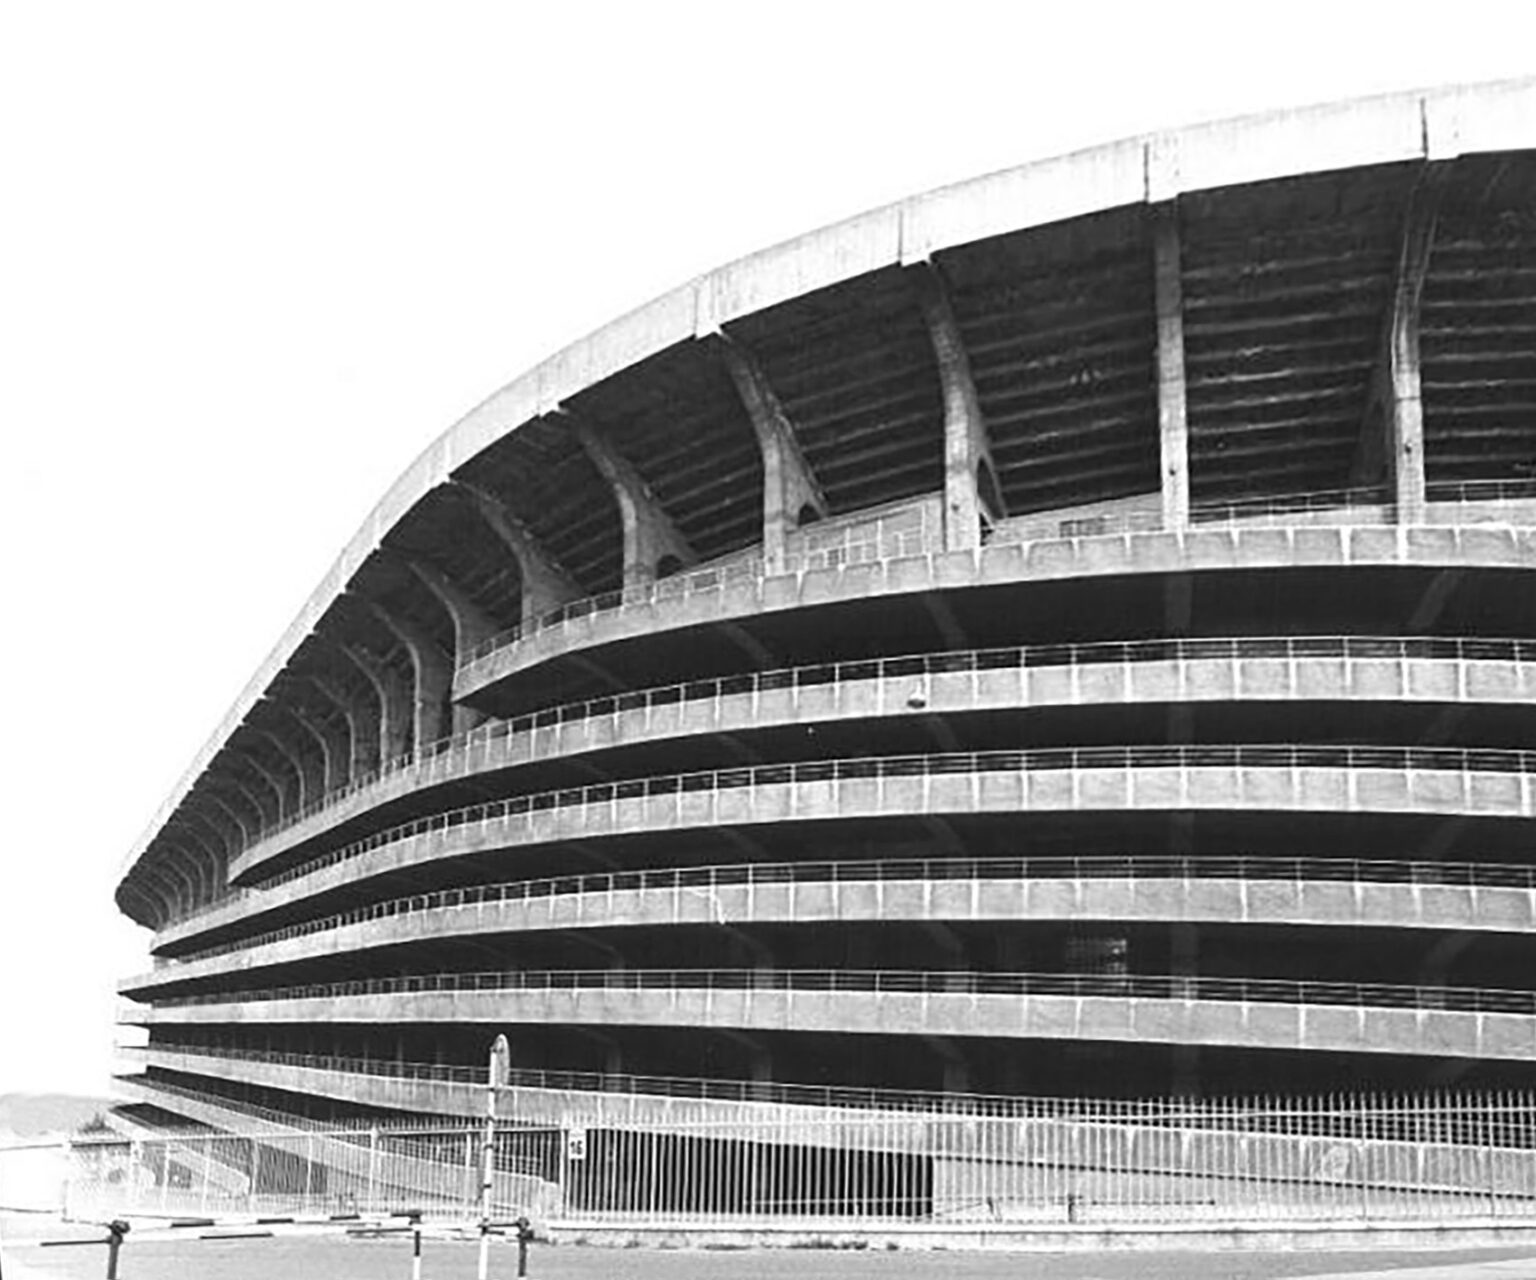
{"x": 253, "y": 258}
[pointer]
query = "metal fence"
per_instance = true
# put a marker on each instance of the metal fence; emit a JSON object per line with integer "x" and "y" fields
{"x": 961, "y": 1162}
{"x": 326, "y": 1171}
{"x": 710, "y": 879}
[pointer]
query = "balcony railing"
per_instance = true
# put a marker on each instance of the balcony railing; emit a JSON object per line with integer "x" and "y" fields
{"x": 1041, "y": 760}
{"x": 905, "y": 982}
{"x": 1435, "y": 1116}
{"x": 447, "y": 756}
{"x": 893, "y": 870}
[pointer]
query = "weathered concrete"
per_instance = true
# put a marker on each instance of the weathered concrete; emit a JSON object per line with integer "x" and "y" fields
{"x": 1274, "y": 543}
{"x": 971, "y": 494}
{"x": 1152, "y": 169}
{"x": 650, "y": 537}
{"x": 790, "y": 488}
{"x": 1245, "y": 1024}
{"x": 1172, "y": 410}
{"x": 544, "y": 584}
{"x": 1166, "y": 900}
{"x": 1350, "y": 678}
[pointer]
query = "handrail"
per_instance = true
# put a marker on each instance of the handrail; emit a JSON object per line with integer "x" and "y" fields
{"x": 1402, "y": 648}
{"x": 1204, "y": 1112}
{"x": 1288, "y": 648}
{"x": 886, "y": 870}
{"x": 906, "y": 982}
{"x": 712, "y": 578}
{"x": 1033, "y": 760}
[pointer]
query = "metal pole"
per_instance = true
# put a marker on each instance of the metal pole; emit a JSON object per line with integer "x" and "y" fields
{"x": 496, "y": 1078}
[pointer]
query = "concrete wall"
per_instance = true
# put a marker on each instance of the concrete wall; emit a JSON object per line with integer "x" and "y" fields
{"x": 1215, "y": 900}
{"x": 1276, "y": 544}
{"x": 1367, "y": 1029}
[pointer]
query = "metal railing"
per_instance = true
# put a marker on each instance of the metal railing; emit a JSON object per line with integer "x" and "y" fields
{"x": 1037, "y": 760}
{"x": 969, "y": 1165}
{"x": 886, "y": 870}
{"x": 450, "y": 757}
{"x": 1364, "y": 505}
{"x": 903, "y": 982}
{"x": 604, "y": 1085}
{"x": 1119, "y": 652}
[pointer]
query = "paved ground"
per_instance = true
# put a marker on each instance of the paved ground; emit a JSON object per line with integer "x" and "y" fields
{"x": 341, "y": 1259}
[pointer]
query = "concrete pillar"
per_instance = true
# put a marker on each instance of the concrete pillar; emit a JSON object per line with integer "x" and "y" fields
{"x": 470, "y": 627}
{"x": 972, "y": 496}
{"x": 545, "y": 585}
{"x": 1172, "y": 408}
{"x": 394, "y": 701}
{"x": 333, "y": 753}
{"x": 433, "y": 678}
{"x": 295, "y": 761}
{"x": 1392, "y": 434}
{"x": 650, "y": 538}
{"x": 247, "y": 832}
{"x": 190, "y": 856}
{"x": 791, "y": 492}
{"x": 362, "y": 726}
{"x": 271, "y": 781}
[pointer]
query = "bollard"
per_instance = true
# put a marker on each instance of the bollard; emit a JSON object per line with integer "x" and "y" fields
{"x": 524, "y": 1235}
{"x": 116, "y": 1230}
{"x": 415, "y": 1219}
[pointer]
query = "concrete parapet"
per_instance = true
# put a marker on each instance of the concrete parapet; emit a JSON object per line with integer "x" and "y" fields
{"x": 1230, "y": 1022}
{"x": 1214, "y": 900}
{"x": 1194, "y": 550}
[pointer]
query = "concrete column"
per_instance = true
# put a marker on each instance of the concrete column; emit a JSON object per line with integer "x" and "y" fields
{"x": 191, "y": 855}
{"x": 295, "y": 761}
{"x": 433, "y": 678}
{"x": 545, "y": 585}
{"x": 237, "y": 790}
{"x": 1172, "y": 407}
{"x": 470, "y": 627}
{"x": 790, "y": 489}
{"x": 972, "y": 495}
{"x": 1392, "y": 434}
{"x": 394, "y": 703}
{"x": 273, "y": 783}
{"x": 333, "y": 754}
{"x": 362, "y": 726}
{"x": 650, "y": 537}
{"x": 231, "y": 813}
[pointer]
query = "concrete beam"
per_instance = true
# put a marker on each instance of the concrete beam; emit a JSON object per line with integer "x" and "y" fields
{"x": 471, "y": 627}
{"x": 432, "y": 670}
{"x": 394, "y": 701}
{"x": 362, "y": 724}
{"x": 334, "y": 755}
{"x": 1172, "y": 407}
{"x": 295, "y": 761}
{"x": 792, "y": 495}
{"x": 545, "y": 585}
{"x": 273, "y": 783}
{"x": 651, "y": 540}
{"x": 1392, "y": 432}
{"x": 247, "y": 832}
{"x": 972, "y": 495}
{"x": 225, "y": 777}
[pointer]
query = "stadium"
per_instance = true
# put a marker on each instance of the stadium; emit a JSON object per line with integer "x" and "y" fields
{"x": 1065, "y": 640}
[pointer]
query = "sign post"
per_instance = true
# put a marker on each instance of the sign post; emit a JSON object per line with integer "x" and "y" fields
{"x": 496, "y": 1078}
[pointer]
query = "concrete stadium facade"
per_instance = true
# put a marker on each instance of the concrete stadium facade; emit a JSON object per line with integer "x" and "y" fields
{"x": 1068, "y": 633}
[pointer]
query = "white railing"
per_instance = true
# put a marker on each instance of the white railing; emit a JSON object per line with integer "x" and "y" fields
{"x": 947, "y": 1163}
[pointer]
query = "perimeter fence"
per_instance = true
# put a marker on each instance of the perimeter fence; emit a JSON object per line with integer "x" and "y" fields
{"x": 938, "y": 1161}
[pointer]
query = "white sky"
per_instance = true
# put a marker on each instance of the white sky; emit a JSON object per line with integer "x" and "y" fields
{"x": 253, "y": 258}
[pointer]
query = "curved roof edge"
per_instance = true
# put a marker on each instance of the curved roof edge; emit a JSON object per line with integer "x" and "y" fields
{"x": 1429, "y": 124}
